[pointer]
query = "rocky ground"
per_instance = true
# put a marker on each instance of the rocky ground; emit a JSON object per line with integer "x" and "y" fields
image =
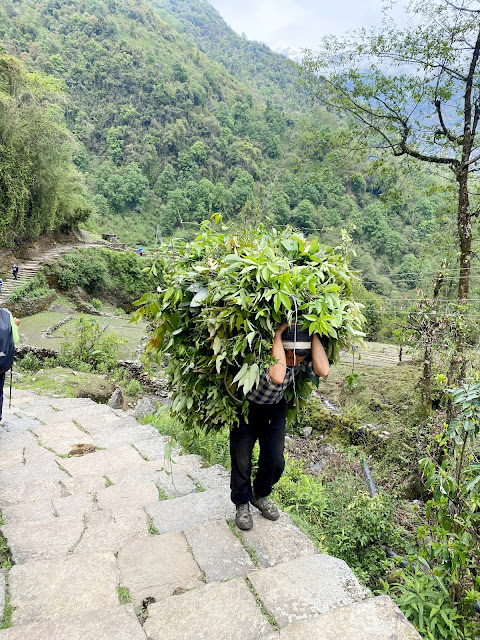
{"x": 109, "y": 541}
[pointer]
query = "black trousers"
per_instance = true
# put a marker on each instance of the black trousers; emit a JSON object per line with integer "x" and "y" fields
{"x": 2, "y": 382}
{"x": 266, "y": 423}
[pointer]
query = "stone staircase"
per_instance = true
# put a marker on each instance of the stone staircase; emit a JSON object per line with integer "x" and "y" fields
{"x": 30, "y": 268}
{"x": 118, "y": 544}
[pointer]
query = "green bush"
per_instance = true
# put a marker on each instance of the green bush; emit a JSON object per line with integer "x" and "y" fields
{"x": 133, "y": 388}
{"x": 87, "y": 348}
{"x": 30, "y": 362}
{"x": 96, "y": 303}
{"x": 34, "y": 288}
{"x": 116, "y": 274}
{"x": 342, "y": 519}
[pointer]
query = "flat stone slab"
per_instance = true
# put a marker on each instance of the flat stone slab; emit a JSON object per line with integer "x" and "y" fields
{"x": 214, "y": 477}
{"x": 18, "y": 422}
{"x": 62, "y": 437}
{"x": 29, "y": 511}
{"x": 16, "y": 439}
{"x": 216, "y": 611}
{"x": 95, "y": 424}
{"x": 50, "y": 416}
{"x": 108, "y": 530}
{"x": 306, "y": 587}
{"x": 51, "y": 589}
{"x": 153, "y": 448}
{"x": 158, "y": 567}
{"x": 33, "y": 472}
{"x": 86, "y": 483}
{"x": 28, "y": 492}
{"x": 191, "y": 510}
{"x": 128, "y": 495}
{"x": 372, "y": 619}
{"x": 11, "y": 458}
{"x": 173, "y": 483}
{"x": 76, "y": 505}
{"x": 104, "y": 422}
{"x": 42, "y": 539}
{"x": 102, "y": 462}
{"x": 72, "y": 403}
{"x": 113, "y": 623}
{"x": 218, "y": 552}
{"x": 275, "y": 542}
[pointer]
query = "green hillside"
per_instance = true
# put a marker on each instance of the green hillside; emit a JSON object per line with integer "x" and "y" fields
{"x": 173, "y": 126}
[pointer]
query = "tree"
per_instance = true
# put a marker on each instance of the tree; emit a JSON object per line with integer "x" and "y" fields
{"x": 397, "y": 86}
{"x": 40, "y": 188}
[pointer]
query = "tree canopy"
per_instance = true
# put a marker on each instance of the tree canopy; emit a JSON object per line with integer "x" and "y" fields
{"x": 40, "y": 188}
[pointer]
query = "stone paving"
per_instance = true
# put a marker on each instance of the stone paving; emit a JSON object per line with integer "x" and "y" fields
{"x": 119, "y": 544}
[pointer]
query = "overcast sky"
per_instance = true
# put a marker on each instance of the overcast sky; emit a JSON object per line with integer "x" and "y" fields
{"x": 297, "y": 23}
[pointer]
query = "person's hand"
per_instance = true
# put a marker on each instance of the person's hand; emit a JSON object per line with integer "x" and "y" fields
{"x": 16, "y": 321}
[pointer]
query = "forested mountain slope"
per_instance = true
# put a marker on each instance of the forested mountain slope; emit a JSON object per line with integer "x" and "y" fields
{"x": 167, "y": 135}
{"x": 273, "y": 76}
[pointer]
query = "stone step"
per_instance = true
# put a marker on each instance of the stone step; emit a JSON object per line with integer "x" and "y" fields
{"x": 191, "y": 510}
{"x": 217, "y": 611}
{"x": 113, "y": 623}
{"x": 306, "y": 587}
{"x": 372, "y": 619}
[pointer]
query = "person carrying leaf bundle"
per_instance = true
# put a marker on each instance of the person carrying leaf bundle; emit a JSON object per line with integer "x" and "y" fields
{"x": 266, "y": 422}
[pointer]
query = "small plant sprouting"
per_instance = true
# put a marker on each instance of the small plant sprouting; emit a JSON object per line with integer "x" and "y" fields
{"x": 124, "y": 596}
{"x": 152, "y": 529}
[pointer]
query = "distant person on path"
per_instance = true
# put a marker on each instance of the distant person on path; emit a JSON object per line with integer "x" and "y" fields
{"x": 1, "y": 284}
{"x": 140, "y": 251}
{"x": 8, "y": 339}
{"x": 15, "y": 272}
{"x": 266, "y": 423}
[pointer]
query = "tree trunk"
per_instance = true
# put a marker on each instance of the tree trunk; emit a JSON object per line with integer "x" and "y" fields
{"x": 464, "y": 225}
{"x": 427, "y": 381}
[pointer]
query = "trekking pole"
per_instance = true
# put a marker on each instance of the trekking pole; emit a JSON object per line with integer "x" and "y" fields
{"x": 11, "y": 377}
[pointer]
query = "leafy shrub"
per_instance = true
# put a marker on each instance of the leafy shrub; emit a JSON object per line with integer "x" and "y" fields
{"x": 30, "y": 362}
{"x": 342, "y": 518}
{"x": 34, "y": 288}
{"x": 118, "y": 274}
{"x": 88, "y": 348}
{"x": 437, "y": 591}
{"x": 134, "y": 388}
{"x": 96, "y": 303}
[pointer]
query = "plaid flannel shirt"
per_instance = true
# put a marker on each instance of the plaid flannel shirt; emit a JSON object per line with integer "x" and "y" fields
{"x": 267, "y": 392}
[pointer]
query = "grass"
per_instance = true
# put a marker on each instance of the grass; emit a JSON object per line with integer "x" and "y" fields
{"x": 64, "y": 383}
{"x": 108, "y": 482}
{"x": 383, "y": 395}
{"x": 124, "y": 596}
{"x": 250, "y": 550}
{"x": 152, "y": 529}
{"x": 32, "y": 327}
{"x": 7, "y": 610}
{"x": 262, "y": 607}
{"x": 161, "y": 494}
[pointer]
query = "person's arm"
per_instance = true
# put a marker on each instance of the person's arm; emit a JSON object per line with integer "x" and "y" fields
{"x": 15, "y": 322}
{"x": 320, "y": 364}
{"x": 278, "y": 370}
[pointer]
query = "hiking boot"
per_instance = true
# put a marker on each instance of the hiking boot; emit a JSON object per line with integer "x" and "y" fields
{"x": 244, "y": 519}
{"x": 266, "y": 506}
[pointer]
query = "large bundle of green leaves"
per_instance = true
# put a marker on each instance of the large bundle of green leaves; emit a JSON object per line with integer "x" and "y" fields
{"x": 218, "y": 303}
